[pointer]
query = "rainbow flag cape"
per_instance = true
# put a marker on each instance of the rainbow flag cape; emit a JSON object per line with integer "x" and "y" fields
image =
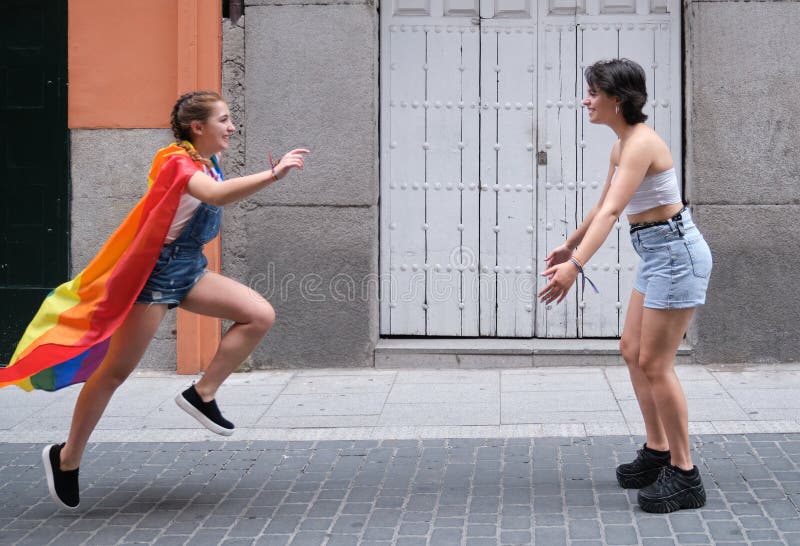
{"x": 69, "y": 335}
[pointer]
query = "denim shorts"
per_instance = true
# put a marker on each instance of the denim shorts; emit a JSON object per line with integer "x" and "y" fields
{"x": 176, "y": 272}
{"x": 675, "y": 265}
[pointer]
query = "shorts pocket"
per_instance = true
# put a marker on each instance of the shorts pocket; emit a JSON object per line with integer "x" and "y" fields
{"x": 161, "y": 265}
{"x": 655, "y": 238}
{"x": 700, "y": 256}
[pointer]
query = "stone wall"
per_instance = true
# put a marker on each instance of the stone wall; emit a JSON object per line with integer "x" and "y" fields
{"x": 743, "y": 173}
{"x": 312, "y": 239}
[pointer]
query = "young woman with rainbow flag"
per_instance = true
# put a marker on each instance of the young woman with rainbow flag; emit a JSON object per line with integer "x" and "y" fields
{"x": 96, "y": 327}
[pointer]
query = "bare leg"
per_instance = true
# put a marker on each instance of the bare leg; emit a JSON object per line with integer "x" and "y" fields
{"x": 662, "y": 332}
{"x": 218, "y": 296}
{"x": 128, "y": 344}
{"x": 656, "y": 437}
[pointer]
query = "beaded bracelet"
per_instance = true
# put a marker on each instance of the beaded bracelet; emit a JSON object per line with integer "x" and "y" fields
{"x": 584, "y": 277}
{"x": 272, "y": 166}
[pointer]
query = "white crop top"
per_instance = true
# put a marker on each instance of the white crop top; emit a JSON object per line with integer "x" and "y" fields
{"x": 655, "y": 190}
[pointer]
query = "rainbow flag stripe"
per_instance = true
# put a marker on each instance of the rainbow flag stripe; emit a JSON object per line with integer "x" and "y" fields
{"x": 69, "y": 335}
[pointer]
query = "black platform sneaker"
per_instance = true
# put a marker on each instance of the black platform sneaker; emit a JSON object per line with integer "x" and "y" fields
{"x": 675, "y": 489}
{"x": 643, "y": 470}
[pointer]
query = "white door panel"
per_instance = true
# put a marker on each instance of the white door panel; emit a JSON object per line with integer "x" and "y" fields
{"x": 515, "y": 173}
{"x": 445, "y": 192}
{"x": 559, "y": 108}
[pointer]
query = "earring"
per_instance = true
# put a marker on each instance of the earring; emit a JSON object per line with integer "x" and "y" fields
{"x": 616, "y": 109}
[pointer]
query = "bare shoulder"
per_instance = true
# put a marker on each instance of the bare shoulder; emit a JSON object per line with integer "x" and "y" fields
{"x": 647, "y": 138}
{"x": 656, "y": 148}
{"x": 644, "y": 135}
{"x": 644, "y": 143}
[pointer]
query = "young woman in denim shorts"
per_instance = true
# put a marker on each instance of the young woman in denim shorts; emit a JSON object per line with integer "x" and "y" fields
{"x": 201, "y": 124}
{"x": 671, "y": 280}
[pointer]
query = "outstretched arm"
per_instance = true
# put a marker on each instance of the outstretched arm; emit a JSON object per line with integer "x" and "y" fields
{"x": 563, "y": 253}
{"x": 634, "y": 162}
{"x": 208, "y": 190}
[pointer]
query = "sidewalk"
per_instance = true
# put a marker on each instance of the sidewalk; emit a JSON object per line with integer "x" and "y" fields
{"x": 406, "y": 458}
{"x": 365, "y": 403}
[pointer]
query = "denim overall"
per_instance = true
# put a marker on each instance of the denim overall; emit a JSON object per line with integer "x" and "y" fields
{"x": 181, "y": 262}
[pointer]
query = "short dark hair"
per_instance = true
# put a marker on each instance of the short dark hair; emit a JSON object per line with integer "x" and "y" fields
{"x": 624, "y": 79}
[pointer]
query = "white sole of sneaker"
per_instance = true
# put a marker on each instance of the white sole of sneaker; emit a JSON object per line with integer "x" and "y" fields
{"x": 51, "y": 484}
{"x": 202, "y": 419}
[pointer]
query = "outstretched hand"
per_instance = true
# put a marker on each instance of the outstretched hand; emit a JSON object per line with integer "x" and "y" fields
{"x": 558, "y": 255}
{"x": 292, "y": 160}
{"x": 562, "y": 276}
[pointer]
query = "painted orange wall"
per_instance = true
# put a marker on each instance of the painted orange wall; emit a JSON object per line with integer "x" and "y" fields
{"x": 129, "y": 61}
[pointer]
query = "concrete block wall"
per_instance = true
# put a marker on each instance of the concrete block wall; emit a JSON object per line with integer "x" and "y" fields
{"x": 311, "y": 81}
{"x": 743, "y": 175}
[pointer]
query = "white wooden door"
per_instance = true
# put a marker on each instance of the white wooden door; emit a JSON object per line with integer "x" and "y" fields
{"x": 487, "y": 160}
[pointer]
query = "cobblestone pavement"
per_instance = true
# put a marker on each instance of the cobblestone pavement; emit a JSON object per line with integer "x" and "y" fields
{"x": 546, "y": 491}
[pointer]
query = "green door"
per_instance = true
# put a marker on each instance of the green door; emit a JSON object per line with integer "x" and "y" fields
{"x": 34, "y": 161}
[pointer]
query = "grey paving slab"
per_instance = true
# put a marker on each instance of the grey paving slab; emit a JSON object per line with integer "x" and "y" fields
{"x": 261, "y": 394}
{"x": 558, "y": 401}
{"x": 440, "y": 414}
{"x": 757, "y": 398}
{"x": 699, "y": 410}
{"x": 274, "y": 377}
{"x": 516, "y": 414}
{"x": 14, "y": 416}
{"x": 316, "y": 421}
{"x": 364, "y": 382}
{"x": 763, "y": 378}
{"x": 489, "y": 377}
{"x": 468, "y": 393}
{"x": 327, "y": 404}
{"x": 559, "y": 379}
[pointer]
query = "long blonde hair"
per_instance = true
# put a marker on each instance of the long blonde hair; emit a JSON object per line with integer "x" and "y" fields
{"x": 193, "y": 106}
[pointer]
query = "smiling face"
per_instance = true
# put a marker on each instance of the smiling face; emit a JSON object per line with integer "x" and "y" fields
{"x": 601, "y": 107}
{"x": 213, "y": 135}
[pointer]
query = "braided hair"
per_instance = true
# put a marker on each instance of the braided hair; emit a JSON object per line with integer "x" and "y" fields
{"x": 193, "y": 106}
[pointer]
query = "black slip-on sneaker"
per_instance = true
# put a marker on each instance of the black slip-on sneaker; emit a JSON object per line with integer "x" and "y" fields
{"x": 63, "y": 484}
{"x": 643, "y": 470}
{"x": 673, "y": 490}
{"x": 207, "y": 413}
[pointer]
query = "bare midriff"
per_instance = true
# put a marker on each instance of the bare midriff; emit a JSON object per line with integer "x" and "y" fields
{"x": 656, "y": 214}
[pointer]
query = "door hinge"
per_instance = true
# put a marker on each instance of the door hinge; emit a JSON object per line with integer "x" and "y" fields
{"x": 541, "y": 158}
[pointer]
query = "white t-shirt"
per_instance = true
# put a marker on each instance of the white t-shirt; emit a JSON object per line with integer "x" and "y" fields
{"x": 186, "y": 208}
